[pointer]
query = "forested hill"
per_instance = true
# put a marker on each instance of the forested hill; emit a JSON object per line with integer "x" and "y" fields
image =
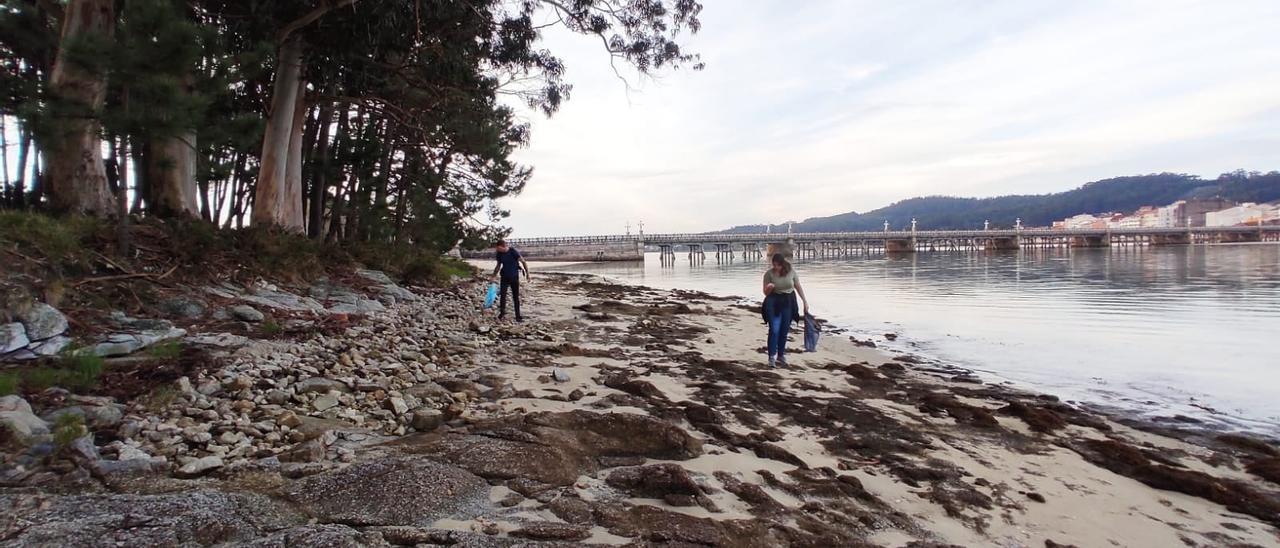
{"x": 1123, "y": 194}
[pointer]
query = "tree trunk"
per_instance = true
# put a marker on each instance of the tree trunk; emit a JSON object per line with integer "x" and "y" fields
{"x": 171, "y": 176}
{"x": 271, "y": 204}
{"x": 19, "y": 189}
{"x": 320, "y": 183}
{"x": 77, "y": 179}
{"x": 294, "y": 216}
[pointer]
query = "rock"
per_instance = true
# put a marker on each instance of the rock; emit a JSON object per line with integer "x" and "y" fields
{"x": 246, "y": 313}
{"x": 622, "y": 434}
{"x": 13, "y": 336}
{"x": 240, "y": 382}
{"x": 83, "y": 451}
{"x": 319, "y": 535}
{"x": 391, "y": 492}
{"x": 547, "y": 530}
{"x": 324, "y": 402}
{"x": 427, "y": 420}
{"x": 559, "y": 375}
{"x": 576, "y": 394}
{"x": 183, "y": 307}
{"x": 320, "y": 385}
{"x": 95, "y": 416}
{"x": 200, "y": 467}
{"x": 22, "y": 424}
{"x": 654, "y": 481}
{"x": 307, "y": 451}
{"x": 121, "y": 344}
{"x": 193, "y": 518}
{"x": 277, "y": 397}
{"x": 397, "y": 405}
{"x": 43, "y": 321}
{"x": 51, "y": 346}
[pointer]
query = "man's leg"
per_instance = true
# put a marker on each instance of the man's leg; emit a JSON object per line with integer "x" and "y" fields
{"x": 502, "y": 299}
{"x": 515, "y": 296}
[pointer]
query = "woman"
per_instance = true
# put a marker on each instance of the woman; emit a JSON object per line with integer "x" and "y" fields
{"x": 781, "y": 284}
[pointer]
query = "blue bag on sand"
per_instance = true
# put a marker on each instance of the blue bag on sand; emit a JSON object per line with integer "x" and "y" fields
{"x": 490, "y": 295}
{"x": 811, "y": 332}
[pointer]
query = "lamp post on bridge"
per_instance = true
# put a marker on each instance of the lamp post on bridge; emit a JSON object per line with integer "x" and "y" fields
{"x": 986, "y": 225}
{"x": 886, "y": 225}
{"x": 1017, "y": 224}
{"x": 913, "y": 225}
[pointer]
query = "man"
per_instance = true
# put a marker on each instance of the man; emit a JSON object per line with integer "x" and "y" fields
{"x": 510, "y": 263}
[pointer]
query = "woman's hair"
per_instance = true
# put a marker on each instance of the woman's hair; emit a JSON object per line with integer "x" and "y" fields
{"x": 781, "y": 261}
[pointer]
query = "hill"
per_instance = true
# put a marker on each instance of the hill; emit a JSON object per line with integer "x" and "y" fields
{"x": 1122, "y": 194}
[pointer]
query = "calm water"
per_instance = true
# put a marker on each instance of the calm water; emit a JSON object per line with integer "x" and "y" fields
{"x": 1162, "y": 331}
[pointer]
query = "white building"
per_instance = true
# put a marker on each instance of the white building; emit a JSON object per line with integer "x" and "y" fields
{"x": 1243, "y": 214}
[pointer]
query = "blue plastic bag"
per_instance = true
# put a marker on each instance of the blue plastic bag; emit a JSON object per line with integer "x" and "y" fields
{"x": 490, "y": 295}
{"x": 811, "y": 333}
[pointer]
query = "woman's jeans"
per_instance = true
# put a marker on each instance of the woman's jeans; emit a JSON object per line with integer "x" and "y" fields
{"x": 779, "y": 311}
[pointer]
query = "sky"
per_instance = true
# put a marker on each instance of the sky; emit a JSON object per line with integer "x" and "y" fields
{"x": 821, "y": 107}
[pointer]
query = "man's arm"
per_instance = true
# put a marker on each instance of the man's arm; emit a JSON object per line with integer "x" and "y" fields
{"x": 525, "y": 265}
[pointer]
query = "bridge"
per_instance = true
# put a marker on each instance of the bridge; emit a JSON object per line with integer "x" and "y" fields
{"x": 812, "y": 245}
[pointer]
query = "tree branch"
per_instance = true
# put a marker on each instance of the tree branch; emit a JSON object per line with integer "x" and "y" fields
{"x": 312, "y": 16}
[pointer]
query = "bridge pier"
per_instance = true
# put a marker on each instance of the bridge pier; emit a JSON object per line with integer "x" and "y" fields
{"x": 900, "y": 245}
{"x": 1091, "y": 241}
{"x": 1182, "y": 238}
{"x": 1002, "y": 244}
{"x": 666, "y": 255}
{"x": 787, "y": 249}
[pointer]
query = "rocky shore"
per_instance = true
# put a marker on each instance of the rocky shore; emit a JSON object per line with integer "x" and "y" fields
{"x": 378, "y": 416}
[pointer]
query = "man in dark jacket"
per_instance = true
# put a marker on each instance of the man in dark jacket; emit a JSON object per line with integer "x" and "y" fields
{"x": 510, "y": 264}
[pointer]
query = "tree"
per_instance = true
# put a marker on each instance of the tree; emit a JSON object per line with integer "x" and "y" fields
{"x": 77, "y": 176}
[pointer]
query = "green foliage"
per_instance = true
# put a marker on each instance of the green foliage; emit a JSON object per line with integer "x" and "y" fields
{"x": 8, "y": 384}
{"x": 75, "y": 371}
{"x": 67, "y": 428}
{"x": 57, "y": 239}
{"x": 270, "y": 327}
{"x": 165, "y": 350}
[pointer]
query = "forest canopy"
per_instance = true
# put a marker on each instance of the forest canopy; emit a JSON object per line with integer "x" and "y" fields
{"x": 346, "y": 120}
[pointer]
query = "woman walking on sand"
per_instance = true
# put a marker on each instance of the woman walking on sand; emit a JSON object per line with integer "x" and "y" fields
{"x": 781, "y": 285}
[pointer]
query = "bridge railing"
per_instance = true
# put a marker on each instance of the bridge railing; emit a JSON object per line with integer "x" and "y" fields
{"x": 728, "y": 238}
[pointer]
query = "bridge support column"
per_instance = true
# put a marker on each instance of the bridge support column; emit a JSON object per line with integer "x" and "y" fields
{"x": 1183, "y": 238}
{"x": 787, "y": 249}
{"x": 1090, "y": 241}
{"x": 900, "y": 245}
{"x": 1002, "y": 244}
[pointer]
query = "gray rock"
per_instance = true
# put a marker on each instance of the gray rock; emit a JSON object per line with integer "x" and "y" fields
{"x": 246, "y": 313}
{"x": 319, "y": 384}
{"x": 95, "y": 416}
{"x": 397, "y": 405}
{"x": 320, "y": 535}
{"x": 427, "y": 420}
{"x": 391, "y": 492}
{"x": 16, "y": 416}
{"x": 51, "y": 346}
{"x": 183, "y": 307}
{"x": 194, "y": 518}
{"x": 324, "y": 402}
{"x": 43, "y": 321}
{"x": 12, "y": 337}
{"x": 375, "y": 276}
{"x": 559, "y": 375}
{"x": 121, "y": 344}
{"x": 277, "y": 397}
{"x": 200, "y": 467}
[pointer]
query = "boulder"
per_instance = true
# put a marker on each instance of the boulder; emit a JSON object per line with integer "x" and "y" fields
{"x": 51, "y": 346}
{"x": 22, "y": 424}
{"x": 397, "y": 491}
{"x": 320, "y": 385}
{"x": 319, "y": 535}
{"x": 619, "y": 434}
{"x": 13, "y": 336}
{"x": 183, "y": 307}
{"x": 426, "y": 420}
{"x": 43, "y": 321}
{"x": 324, "y": 402}
{"x": 194, "y": 518}
{"x": 658, "y": 481}
{"x": 200, "y": 467}
{"x": 244, "y": 312}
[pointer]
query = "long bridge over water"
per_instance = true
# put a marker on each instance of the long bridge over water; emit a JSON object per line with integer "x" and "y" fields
{"x": 809, "y": 245}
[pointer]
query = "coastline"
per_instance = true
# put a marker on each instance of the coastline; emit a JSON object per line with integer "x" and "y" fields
{"x": 624, "y": 415}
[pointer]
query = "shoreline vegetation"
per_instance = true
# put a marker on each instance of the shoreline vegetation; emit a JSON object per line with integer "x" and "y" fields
{"x": 618, "y": 415}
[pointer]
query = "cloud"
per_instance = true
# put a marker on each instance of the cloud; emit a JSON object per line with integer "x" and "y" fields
{"x": 817, "y": 108}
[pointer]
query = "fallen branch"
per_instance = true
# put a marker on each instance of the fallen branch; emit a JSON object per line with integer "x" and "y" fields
{"x": 151, "y": 276}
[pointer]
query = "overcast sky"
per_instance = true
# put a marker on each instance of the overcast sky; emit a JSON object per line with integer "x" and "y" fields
{"x": 821, "y": 107}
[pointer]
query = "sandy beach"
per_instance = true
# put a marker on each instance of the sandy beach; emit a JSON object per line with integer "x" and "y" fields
{"x": 616, "y": 415}
{"x": 932, "y": 454}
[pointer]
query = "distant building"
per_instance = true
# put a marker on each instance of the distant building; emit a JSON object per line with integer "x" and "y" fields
{"x": 1083, "y": 220}
{"x": 1249, "y": 214}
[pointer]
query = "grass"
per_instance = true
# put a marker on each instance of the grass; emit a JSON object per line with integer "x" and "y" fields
{"x": 166, "y": 350}
{"x": 270, "y": 327}
{"x": 58, "y": 239}
{"x": 8, "y": 384}
{"x": 68, "y": 428}
{"x": 77, "y": 372}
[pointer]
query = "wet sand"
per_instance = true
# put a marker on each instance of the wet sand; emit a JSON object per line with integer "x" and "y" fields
{"x": 879, "y": 446}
